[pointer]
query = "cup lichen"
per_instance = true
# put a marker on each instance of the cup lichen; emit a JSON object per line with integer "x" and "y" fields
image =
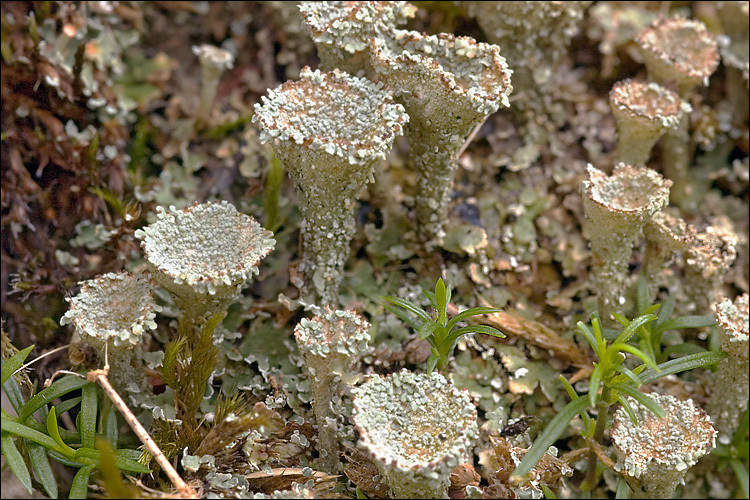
{"x": 616, "y": 208}
{"x": 448, "y": 85}
{"x": 328, "y": 130}
{"x": 416, "y": 428}
{"x": 331, "y": 344}
{"x": 643, "y": 113}
{"x": 659, "y": 451}
{"x": 730, "y": 391}
{"x": 112, "y": 312}
{"x": 204, "y": 254}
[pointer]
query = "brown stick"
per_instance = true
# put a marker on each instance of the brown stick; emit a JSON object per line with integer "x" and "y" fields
{"x": 100, "y": 377}
{"x": 537, "y": 333}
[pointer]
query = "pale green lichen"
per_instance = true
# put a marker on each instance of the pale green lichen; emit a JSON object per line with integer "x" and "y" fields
{"x": 342, "y": 30}
{"x": 616, "y": 208}
{"x": 707, "y": 262}
{"x": 329, "y": 130}
{"x": 448, "y": 85}
{"x": 204, "y": 254}
{"x": 659, "y": 451}
{"x": 665, "y": 236}
{"x": 416, "y": 428}
{"x": 213, "y": 60}
{"x": 643, "y": 113}
{"x": 683, "y": 52}
{"x": 730, "y": 395}
{"x": 534, "y": 36}
{"x": 111, "y": 312}
{"x": 331, "y": 345}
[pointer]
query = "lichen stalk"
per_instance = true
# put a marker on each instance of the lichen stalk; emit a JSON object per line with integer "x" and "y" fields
{"x": 331, "y": 345}
{"x": 616, "y": 208}
{"x": 214, "y": 61}
{"x": 730, "y": 395}
{"x": 329, "y": 130}
{"x": 448, "y": 85}
{"x": 659, "y": 451}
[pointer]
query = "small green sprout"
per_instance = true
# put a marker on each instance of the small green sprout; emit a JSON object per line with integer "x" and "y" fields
{"x": 436, "y": 328}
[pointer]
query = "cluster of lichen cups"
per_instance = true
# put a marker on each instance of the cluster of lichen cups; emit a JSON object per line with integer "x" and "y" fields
{"x": 203, "y": 255}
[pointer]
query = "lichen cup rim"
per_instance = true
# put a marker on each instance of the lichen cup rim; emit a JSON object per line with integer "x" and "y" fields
{"x": 182, "y": 264}
{"x": 483, "y": 94}
{"x": 93, "y": 309}
{"x": 682, "y": 48}
{"x": 625, "y": 198}
{"x": 662, "y": 106}
{"x": 377, "y": 118}
{"x": 353, "y": 13}
{"x": 387, "y": 452}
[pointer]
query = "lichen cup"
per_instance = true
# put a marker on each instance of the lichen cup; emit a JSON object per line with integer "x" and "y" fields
{"x": 111, "y": 312}
{"x": 731, "y": 391}
{"x": 329, "y": 130}
{"x": 448, "y": 85}
{"x": 680, "y": 52}
{"x": 203, "y": 255}
{"x": 659, "y": 451}
{"x": 643, "y": 113}
{"x": 416, "y": 428}
{"x": 331, "y": 344}
{"x": 342, "y": 30}
{"x": 616, "y": 208}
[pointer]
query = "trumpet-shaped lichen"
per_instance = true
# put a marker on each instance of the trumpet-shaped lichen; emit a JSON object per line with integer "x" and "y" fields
{"x": 448, "y": 85}
{"x": 616, "y": 208}
{"x": 342, "y": 30}
{"x": 113, "y": 311}
{"x": 730, "y": 394}
{"x": 659, "y": 451}
{"x": 329, "y": 130}
{"x": 417, "y": 428}
{"x": 331, "y": 344}
{"x": 204, "y": 254}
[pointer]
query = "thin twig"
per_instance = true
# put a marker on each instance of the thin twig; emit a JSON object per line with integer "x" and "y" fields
{"x": 100, "y": 377}
{"x": 53, "y": 351}
{"x": 471, "y": 137}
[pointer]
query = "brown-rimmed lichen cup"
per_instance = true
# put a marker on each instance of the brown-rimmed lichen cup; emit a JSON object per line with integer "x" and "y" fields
{"x": 616, "y": 208}
{"x": 534, "y": 36}
{"x": 203, "y": 255}
{"x": 342, "y": 30}
{"x": 643, "y": 113}
{"x": 331, "y": 344}
{"x": 680, "y": 52}
{"x": 730, "y": 395}
{"x": 659, "y": 451}
{"x": 416, "y": 428}
{"x": 448, "y": 85}
{"x": 114, "y": 310}
{"x": 329, "y": 130}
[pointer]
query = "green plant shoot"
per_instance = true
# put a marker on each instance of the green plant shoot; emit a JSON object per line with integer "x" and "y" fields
{"x": 440, "y": 332}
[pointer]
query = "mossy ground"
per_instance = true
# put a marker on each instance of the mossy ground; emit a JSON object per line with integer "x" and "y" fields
{"x": 98, "y": 129}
